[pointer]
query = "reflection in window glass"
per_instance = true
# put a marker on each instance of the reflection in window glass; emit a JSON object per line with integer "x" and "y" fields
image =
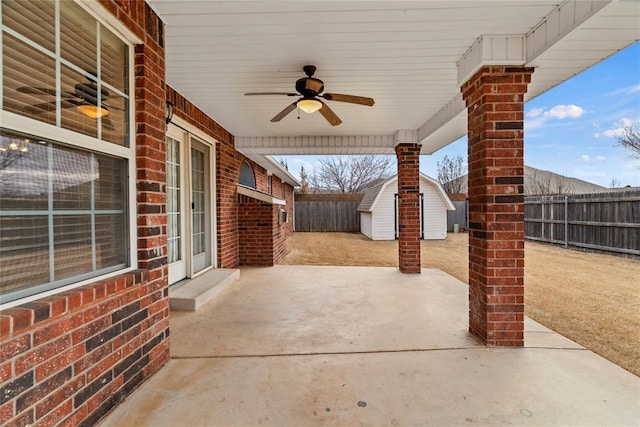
{"x": 174, "y": 232}
{"x": 34, "y": 19}
{"x": 90, "y": 94}
{"x": 113, "y": 60}
{"x": 78, "y": 37}
{"x": 85, "y": 92}
{"x": 28, "y": 80}
{"x": 247, "y": 178}
{"x": 79, "y": 195}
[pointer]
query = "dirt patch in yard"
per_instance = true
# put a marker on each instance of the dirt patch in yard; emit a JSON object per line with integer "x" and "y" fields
{"x": 592, "y": 299}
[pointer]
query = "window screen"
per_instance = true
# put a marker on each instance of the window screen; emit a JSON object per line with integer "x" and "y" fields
{"x": 75, "y": 78}
{"x": 62, "y": 214}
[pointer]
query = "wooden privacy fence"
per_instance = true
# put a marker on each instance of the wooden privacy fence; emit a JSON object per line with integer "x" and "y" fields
{"x": 327, "y": 212}
{"x": 460, "y": 216}
{"x": 600, "y": 221}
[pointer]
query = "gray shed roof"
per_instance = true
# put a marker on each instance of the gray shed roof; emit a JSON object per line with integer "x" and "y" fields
{"x": 372, "y": 193}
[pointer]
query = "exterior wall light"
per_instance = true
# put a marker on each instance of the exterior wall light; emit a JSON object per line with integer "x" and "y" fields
{"x": 168, "y": 112}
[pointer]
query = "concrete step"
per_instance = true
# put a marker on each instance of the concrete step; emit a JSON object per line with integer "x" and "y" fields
{"x": 191, "y": 294}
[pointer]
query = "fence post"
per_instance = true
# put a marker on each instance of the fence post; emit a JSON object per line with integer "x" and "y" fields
{"x": 566, "y": 221}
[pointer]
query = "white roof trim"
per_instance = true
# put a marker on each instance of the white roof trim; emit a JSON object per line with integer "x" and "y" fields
{"x": 259, "y": 195}
{"x": 273, "y": 168}
{"x": 441, "y": 192}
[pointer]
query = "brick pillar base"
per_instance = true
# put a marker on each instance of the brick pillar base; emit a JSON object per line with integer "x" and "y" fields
{"x": 494, "y": 98}
{"x": 408, "y": 207}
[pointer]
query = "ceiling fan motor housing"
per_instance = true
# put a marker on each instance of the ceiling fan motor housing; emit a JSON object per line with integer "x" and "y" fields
{"x": 309, "y": 86}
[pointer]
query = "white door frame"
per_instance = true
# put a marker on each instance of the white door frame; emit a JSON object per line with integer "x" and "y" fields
{"x": 190, "y": 133}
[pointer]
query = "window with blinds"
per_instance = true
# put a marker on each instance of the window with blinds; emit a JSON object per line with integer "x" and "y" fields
{"x": 75, "y": 78}
{"x": 62, "y": 214}
{"x": 64, "y": 209}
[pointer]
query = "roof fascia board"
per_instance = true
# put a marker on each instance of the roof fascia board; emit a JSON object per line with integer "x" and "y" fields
{"x": 382, "y": 188}
{"x": 316, "y": 145}
{"x": 443, "y": 194}
{"x": 564, "y": 19}
{"x": 447, "y": 113}
{"x": 274, "y": 168}
{"x": 491, "y": 50}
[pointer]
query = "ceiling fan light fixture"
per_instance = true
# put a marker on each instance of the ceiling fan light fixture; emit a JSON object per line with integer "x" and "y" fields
{"x": 92, "y": 111}
{"x": 309, "y": 105}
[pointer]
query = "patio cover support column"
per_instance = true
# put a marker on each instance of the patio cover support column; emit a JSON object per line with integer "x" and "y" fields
{"x": 408, "y": 155}
{"x": 494, "y": 98}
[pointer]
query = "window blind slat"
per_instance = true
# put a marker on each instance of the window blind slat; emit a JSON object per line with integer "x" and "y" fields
{"x": 36, "y": 23}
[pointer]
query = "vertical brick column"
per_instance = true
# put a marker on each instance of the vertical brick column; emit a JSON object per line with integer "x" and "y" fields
{"x": 494, "y": 98}
{"x": 408, "y": 156}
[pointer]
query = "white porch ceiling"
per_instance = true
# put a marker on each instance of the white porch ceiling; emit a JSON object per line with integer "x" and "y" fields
{"x": 403, "y": 54}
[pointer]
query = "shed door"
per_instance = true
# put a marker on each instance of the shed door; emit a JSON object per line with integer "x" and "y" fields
{"x": 396, "y": 219}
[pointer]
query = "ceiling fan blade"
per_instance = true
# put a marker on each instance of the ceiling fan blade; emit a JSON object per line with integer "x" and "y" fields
{"x": 106, "y": 123}
{"x": 281, "y": 115}
{"x": 50, "y": 106}
{"x": 112, "y": 107}
{"x": 43, "y": 91}
{"x": 37, "y": 90}
{"x": 40, "y": 108}
{"x": 328, "y": 114}
{"x": 272, "y": 93}
{"x": 361, "y": 100}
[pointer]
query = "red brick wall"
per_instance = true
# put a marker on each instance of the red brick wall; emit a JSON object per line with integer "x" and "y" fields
{"x": 255, "y": 232}
{"x": 288, "y": 197}
{"x": 70, "y": 358}
{"x": 495, "y": 102}
{"x": 261, "y": 235}
{"x": 408, "y": 207}
{"x": 228, "y": 163}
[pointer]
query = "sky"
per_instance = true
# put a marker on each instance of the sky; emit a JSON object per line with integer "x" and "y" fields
{"x": 570, "y": 129}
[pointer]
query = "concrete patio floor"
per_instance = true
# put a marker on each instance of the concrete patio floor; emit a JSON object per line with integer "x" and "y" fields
{"x": 351, "y": 346}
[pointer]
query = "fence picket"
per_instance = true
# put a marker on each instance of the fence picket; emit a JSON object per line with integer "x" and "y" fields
{"x": 327, "y": 213}
{"x": 607, "y": 222}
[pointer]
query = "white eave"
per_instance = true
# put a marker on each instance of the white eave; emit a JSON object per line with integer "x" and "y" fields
{"x": 259, "y": 195}
{"x": 272, "y": 167}
{"x": 410, "y": 56}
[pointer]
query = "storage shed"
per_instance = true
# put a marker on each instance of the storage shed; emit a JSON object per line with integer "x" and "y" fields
{"x": 379, "y": 210}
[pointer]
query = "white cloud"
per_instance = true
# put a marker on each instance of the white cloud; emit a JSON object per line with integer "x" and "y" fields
{"x": 601, "y": 158}
{"x": 618, "y": 130}
{"x": 585, "y": 157}
{"x": 565, "y": 111}
{"x": 635, "y": 89}
{"x": 535, "y": 112}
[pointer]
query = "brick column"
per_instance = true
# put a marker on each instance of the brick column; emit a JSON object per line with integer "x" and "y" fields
{"x": 408, "y": 156}
{"x": 494, "y": 98}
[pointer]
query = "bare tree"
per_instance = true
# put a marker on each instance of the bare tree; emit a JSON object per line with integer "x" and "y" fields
{"x": 547, "y": 184}
{"x": 630, "y": 139}
{"x": 350, "y": 174}
{"x": 614, "y": 183}
{"x": 284, "y": 164}
{"x": 452, "y": 174}
{"x": 12, "y": 151}
{"x": 304, "y": 182}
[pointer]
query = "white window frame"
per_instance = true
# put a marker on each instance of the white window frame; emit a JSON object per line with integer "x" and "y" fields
{"x": 18, "y": 123}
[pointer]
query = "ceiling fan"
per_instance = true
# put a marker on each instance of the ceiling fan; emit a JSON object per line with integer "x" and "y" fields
{"x": 309, "y": 89}
{"x": 84, "y": 98}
